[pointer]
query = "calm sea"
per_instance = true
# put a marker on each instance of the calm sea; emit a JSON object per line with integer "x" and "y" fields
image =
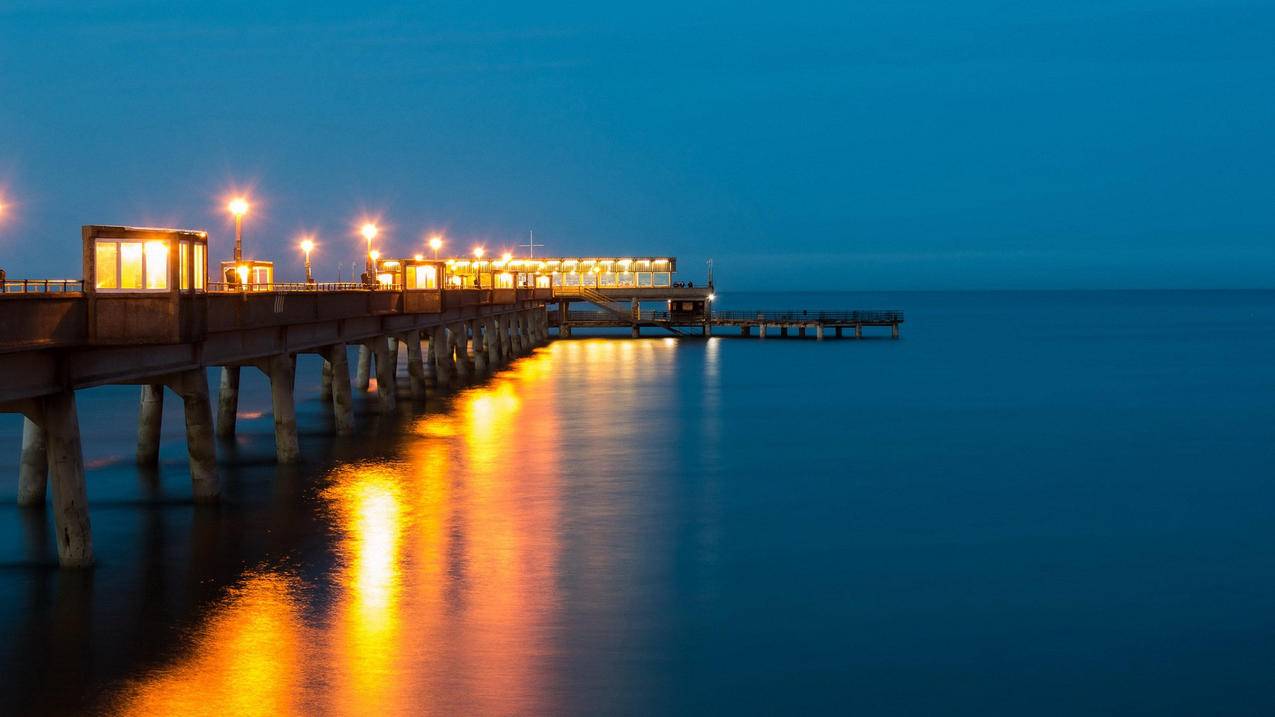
{"x": 1032, "y": 503}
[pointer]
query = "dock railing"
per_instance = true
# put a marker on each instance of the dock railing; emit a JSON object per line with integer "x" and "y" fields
{"x": 41, "y": 286}
{"x": 297, "y": 286}
{"x": 807, "y": 316}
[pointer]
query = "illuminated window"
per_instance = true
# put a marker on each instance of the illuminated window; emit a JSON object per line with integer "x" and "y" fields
{"x": 201, "y": 267}
{"x": 643, "y": 278}
{"x": 662, "y": 278}
{"x": 107, "y": 265}
{"x": 156, "y": 265}
{"x": 624, "y": 279}
{"x": 505, "y": 281}
{"x": 263, "y": 276}
{"x": 542, "y": 282}
{"x": 606, "y": 278}
{"x": 185, "y": 266}
{"x": 422, "y": 277}
{"x": 130, "y": 265}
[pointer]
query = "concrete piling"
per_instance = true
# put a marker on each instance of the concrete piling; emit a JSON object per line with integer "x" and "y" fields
{"x": 480, "y": 347}
{"x": 325, "y": 382}
{"x": 819, "y": 332}
{"x": 442, "y": 357}
{"x": 761, "y": 331}
{"x": 227, "y": 401}
{"x": 385, "y": 389}
{"x": 150, "y": 418}
{"x": 279, "y": 369}
{"x": 363, "y": 371}
{"x": 66, "y": 469}
{"x": 491, "y": 340}
{"x": 858, "y": 331}
{"x": 415, "y": 367}
{"x": 33, "y": 471}
{"x": 342, "y": 402}
{"x": 460, "y": 341}
{"x": 192, "y": 386}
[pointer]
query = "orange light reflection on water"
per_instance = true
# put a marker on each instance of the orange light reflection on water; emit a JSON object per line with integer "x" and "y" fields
{"x": 445, "y": 597}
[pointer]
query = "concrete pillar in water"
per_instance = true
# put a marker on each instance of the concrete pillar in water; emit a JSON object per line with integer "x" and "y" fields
{"x": 342, "y": 402}
{"x": 516, "y": 337}
{"x": 491, "y": 339}
{"x": 385, "y": 389}
{"x": 33, "y": 471}
{"x": 761, "y": 331}
{"x": 894, "y": 331}
{"x": 801, "y": 331}
{"x": 66, "y": 470}
{"x": 427, "y": 356}
{"x": 363, "y": 371}
{"x": 228, "y": 401}
{"x": 708, "y": 329}
{"x": 858, "y": 331}
{"x": 415, "y": 367}
{"x": 460, "y": 342}
{"x": 150, "y": 417}
{"x": 392, "y": 341}
{"x": 279, "y": 370}
{"x": 192, "y": 386}
{"x": 838, "y": 332}
{"x": 480, "y": 347}
{"x": 442, "y": 357}
{"x": 819, "y": 332}
{"x": 783, "y": 331}
{"x": 634, "y": 331}
{"x": 325, "y": 382}
{"x": 745, "y": 330}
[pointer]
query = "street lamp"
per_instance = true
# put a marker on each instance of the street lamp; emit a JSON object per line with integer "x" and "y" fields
{"x": 238, "y": 207}
{"x": 435, "y": 243}
{"x": 307, "y": 246}
{"x": 369, "y": 232}
{"x": 478, "y": 252}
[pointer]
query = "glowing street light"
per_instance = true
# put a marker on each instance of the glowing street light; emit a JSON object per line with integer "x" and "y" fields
{"x": 307, "y": 246}
{"x": 478, "y": 252}
{"x": 436, "y": 243}
{"x": 238, "y": 207}
{"x": 369, "y": 232}
{"x": 506, "y": 257}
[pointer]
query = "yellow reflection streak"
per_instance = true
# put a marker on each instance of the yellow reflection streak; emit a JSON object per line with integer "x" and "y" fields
{"x": 244, "y": 661}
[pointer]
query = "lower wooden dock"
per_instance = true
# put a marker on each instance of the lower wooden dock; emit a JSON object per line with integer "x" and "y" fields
{"x": 793, "y": 323}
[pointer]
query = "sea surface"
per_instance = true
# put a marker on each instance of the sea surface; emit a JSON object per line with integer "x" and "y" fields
{"x": 1032, "y": 503}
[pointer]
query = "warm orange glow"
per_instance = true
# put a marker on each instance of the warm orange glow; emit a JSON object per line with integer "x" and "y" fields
{"x": 479, "y": 251}
{"x": 242, "y": 271}
{"x": 435, "y": 242}
{"x": 238, "y": 206}
{"x": 418, "y": 257}
{"x": 369, "y": 231}
{"x": 506, "y": 256}
{"x": 374, "y": 254}
{"x": 307, "y": 245}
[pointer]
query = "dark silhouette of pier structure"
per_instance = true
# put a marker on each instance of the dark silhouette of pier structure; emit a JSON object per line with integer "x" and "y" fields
{"x": 146, "y": 314}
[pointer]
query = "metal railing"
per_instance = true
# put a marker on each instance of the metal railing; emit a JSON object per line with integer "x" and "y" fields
{"x": 812, "y": 317}
{"x": 41, "y": 286}
{"x": 297, "y": 287}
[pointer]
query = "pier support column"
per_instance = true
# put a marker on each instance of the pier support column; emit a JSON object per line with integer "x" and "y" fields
{"x": 192, "y": 386}
{"x": 801, "y": 331}
{"x": 427, "y": 357}
{"x": 894, "y": 331}
{"x": 838, "y": 332}
{"x": 384, "y": 375}
{"x": 492, "y": 339}
{"x": 564, "y": 331}
{"x": 460, "y": 341}
{"x": 783, "y": 331}
{"x": 342, "y": 401}
{"x": 745, "y": 331}
{"x": 325, "y": 381}
{"x": 392, "y": 342}
{"x": 516, "y": 336}
{"x": 363, "y": 371}
{"x": 442, "y": 357}
{"x": 33, "y": 471}
{"x": 279, "y": 370}
{"x": 415, "y": 367}
{"x": 480, "y": 347}
{"x": 150, "y": 417}
{"x": 66, "y": 469}
{"x": 708, "y": 328}
{"x": 858, "y": 331}
{"x": 761, "y": 331}
{"x": 819, "y": 332}
{"x": 634, "y": 331}
{"x": 227, "y": 401}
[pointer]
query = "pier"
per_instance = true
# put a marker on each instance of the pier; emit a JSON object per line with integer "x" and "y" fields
{"x": 147, "y": 314}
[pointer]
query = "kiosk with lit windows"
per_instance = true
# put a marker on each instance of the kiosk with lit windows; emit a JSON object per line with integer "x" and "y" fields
{"x": 421, "y": 281}
{"x": 246, "y": 275}
{"x": 600, "y": 272}
{"x": 144, "y": 285}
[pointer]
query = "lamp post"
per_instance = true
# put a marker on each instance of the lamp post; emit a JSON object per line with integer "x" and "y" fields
{"x": 238, "y": 207}
{"x": 307, "y": 246}
{"x": 435, "y": 243}
{"x": 369, "y": 232}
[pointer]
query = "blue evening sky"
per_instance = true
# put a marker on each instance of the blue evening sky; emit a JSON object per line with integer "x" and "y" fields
{"x": 884, "y": 144}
